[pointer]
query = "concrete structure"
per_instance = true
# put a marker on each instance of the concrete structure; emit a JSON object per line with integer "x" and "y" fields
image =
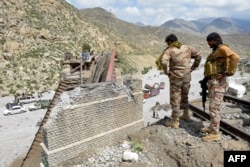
{"x": 90, "y": 117}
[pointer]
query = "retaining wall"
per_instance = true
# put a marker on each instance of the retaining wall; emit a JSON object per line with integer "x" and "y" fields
{"x": 91, "y": 117}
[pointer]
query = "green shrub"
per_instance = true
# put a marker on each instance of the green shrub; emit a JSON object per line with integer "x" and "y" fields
{"x": 12, "y": 91}
{"x": 86, "y": 47}
{"x": 137, "y": 146}
{"x": 146, "y": 69}
{"x": 2, "y": 41}
{"x": 19, "y": 86}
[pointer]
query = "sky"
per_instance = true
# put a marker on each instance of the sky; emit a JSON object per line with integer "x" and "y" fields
{"x": 157, "y": 12}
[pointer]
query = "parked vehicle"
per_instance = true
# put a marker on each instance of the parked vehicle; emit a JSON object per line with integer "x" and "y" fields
{"x": 10, "y": 105}
{"x": 14, "y": 110}
{"x": 35, "y": 106}
{"x": 41, "y": 104}
{"x": 25, "y": 98}
{"x": 151, "y": 91}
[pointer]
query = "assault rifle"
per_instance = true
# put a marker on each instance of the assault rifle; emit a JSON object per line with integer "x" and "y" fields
{"x": 204, "y": 93}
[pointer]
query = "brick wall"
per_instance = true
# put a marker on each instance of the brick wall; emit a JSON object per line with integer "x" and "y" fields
{"x": 91, "y": 117}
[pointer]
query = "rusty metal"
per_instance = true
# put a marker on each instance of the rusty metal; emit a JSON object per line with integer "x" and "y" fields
{"x": 111, "y": 76}
{"x": 224, "y": 126}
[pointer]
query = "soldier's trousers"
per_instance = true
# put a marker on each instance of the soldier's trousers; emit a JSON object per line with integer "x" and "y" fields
{"x": 216, "y": 91}
{"x": 178, "y": 94}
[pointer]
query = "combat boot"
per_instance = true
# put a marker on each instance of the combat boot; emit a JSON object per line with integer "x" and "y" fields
{"x": 206, "y": 130}
{"x": 174, "y": 123}
{"x": 185, "y": 116}
{"x": 212, "y": 136}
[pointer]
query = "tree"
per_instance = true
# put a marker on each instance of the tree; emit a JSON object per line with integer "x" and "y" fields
{"x": 85, "y": 47}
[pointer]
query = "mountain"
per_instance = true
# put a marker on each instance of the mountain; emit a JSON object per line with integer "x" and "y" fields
{"x": 149, "y": 40}
{"x": 140, "y": 24}
{"x": 182, "y": 25}
{"x": 146, "y": 39}
{"x": 34, "y": 36}
{"x": 222, "y": 25}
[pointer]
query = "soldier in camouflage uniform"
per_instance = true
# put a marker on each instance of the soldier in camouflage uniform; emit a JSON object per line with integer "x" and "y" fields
{"x": 176, "y": 64}
{"x": 222, "y": 62}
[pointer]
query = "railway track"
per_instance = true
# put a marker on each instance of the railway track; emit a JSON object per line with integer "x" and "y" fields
{"x": 226, "y": 127}
{"x": 241, "y": 102}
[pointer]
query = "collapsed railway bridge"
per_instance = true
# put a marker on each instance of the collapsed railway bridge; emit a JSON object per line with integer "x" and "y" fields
{"x": 88, "y": 109}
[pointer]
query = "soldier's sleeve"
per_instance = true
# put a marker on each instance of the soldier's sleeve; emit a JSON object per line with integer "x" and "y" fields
{"x": 232, "y": 61}
{"x": 158, "y": 62}
{"x": 197, "y": 58}
{"x": 165, "y": 61}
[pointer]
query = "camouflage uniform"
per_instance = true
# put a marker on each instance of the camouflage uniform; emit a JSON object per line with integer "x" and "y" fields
{"x": 222, "y": 61}
{"x": 176, "y": 64}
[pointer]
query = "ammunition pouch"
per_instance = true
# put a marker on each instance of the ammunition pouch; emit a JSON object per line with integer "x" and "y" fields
{"x": 210, "y": 68}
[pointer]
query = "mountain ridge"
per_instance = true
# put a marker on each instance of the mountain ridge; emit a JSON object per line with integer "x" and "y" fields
{"x": 222, "y": 25}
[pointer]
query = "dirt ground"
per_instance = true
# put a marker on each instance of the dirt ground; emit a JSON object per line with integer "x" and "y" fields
{"x": 183, "y": 147}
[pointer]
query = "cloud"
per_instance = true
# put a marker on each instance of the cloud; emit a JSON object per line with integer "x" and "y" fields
{"x": 133, "y": 11}
{"x": 156, "y": 12}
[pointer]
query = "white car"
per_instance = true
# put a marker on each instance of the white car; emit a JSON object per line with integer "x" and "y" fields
{"x": 35, "y": 106}
{"x": 14, "y": 110}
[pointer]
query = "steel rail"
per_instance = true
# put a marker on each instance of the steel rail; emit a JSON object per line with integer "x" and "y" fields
{"x": 224, "y": 126}
{"x": 242, "y": 102}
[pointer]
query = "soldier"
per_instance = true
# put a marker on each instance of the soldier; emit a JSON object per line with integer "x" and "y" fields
{"x": 222, "y": 62}
{"x": 176, "y": 64}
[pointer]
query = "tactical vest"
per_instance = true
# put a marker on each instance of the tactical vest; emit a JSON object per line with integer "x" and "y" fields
{"x": 219, "y": 63}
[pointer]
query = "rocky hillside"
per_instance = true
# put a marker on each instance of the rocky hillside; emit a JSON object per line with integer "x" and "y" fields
{"x": 35, "y": 34}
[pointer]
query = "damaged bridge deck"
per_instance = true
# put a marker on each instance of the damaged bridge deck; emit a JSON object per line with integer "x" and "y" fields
{"x": 100, "y": 69}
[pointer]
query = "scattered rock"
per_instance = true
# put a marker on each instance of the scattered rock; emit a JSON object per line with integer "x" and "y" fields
{"x": 130, "y": 156}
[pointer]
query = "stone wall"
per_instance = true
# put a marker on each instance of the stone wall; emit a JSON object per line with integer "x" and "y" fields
{"x": 91, "y": 117}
